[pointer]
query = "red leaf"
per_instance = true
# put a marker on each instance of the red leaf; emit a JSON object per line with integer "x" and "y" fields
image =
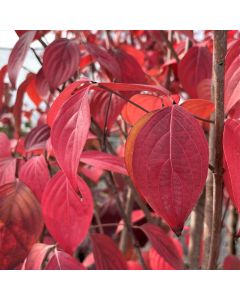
{"x": 107, "y": 256}
{"x": 42, "y": 85}
{"x": 66, "y": 215}
{"x": 5, "y": 145}
{"x": 7, "y": 170}
{"x": 134, "y": 265}
{"x": 20, "y": 223}
{"x": 63, "y": 261}
{"x": 37, "y": 256}
{"x": 232, "y": 76}
{"x": 105, "y": 59}
{"x": 34, "y": 173}
{"x": 231, "y": 262}
{"x": 195, "y": 66}
{"x": 204, "y": 89}
{"x": 131, "y": 71}
{"x": 32, "y": 91}
{"x": 231, "y": 148}
{"x": 234, "y": 113}
{"x": 104, "y": 161}
{"x": 69, "y": 133}
{"x": 17, "y": 109}
{"x": 3, "y": 72}
{"x": 157, "y": 262}
{"x": 163, "y": 244}
{"x": 136, "y": 53}
{"x": 36, "y": 139}
{"x": 60, "y": 61}
{"x": 91, "y": 172}
{"x": 38, "y": 35}
{"x": 169, "y": 163}
{"x": 102, "y": 107}
{"x": 63, "y": 97}
{"x": 18, "y": 55}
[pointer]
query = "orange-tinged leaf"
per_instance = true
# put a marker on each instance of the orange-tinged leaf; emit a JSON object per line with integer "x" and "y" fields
{"x": 170, "y": 164}
{"x": 32, "y": 91}
{"x": 129, "y": 146}
{"x": 131, "y": 114}
{"x": 137, "y": 54}
{"x": 199, "y": 108}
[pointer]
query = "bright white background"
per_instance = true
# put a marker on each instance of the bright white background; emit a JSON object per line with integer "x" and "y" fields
{"x": 118, "y": 14}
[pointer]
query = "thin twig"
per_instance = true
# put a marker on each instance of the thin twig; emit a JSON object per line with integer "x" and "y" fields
{"x": 128, "y": 210}
{"x": 128, "y": 225}
{"x": 37, "y": 56}
{"x": 105, "y": 123}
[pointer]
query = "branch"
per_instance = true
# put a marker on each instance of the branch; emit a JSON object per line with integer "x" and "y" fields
{"x": 196, "y": 230}
{"x": 169, "y": 45}
{"x": 219, "y": 52}
{"x": 139, "y": 106}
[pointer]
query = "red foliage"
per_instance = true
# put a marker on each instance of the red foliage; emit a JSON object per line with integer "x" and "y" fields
{"x": 109, "y": 158}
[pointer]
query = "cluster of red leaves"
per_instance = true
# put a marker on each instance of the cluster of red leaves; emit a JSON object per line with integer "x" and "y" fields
{"x": 59, "y": 182}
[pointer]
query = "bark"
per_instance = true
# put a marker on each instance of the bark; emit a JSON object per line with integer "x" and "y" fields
{"x": 196, "y": 230}
{"x": 233, "y": 231}
{"x": 219, "y": 52}
{"x": 208, "y": 210}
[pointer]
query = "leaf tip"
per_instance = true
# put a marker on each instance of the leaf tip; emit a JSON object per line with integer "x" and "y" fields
{"x": 178, "y": 230}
